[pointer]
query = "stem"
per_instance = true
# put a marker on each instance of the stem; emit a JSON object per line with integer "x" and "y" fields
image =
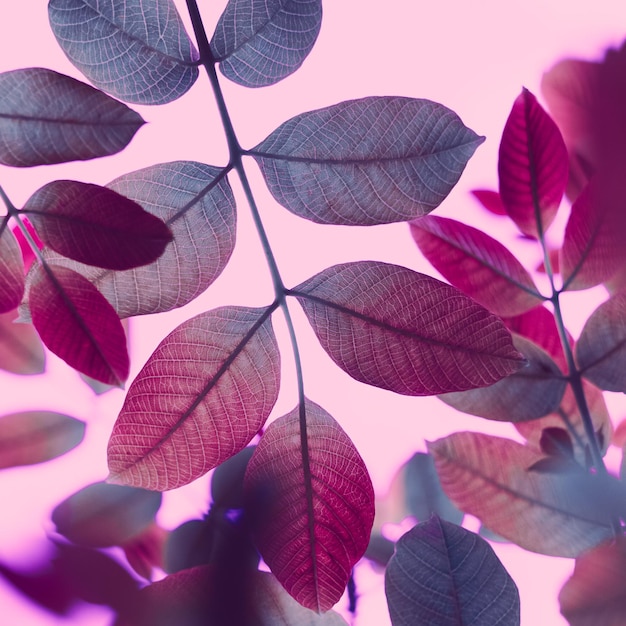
{"x": 14, "y": 212}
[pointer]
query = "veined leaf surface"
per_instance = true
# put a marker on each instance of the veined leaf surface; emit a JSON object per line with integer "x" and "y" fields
{"x": 370, "y": 161}
{"x": 391, "y": 327}
{"x": 11, "y": 270}
{"x": 21, "y": 350}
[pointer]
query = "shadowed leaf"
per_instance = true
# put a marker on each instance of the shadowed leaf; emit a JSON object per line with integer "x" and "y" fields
{"x": 371, "y": 161}
{"x": 490, "y": 200}
{"x": 21, "y": 350}
{"x": 11, "y": 270}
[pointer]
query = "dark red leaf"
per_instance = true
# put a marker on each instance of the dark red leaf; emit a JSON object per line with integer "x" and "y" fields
{"x": 490, "y": 200}
{"x": 556, "y": 442}
{"x": 21, "y": 350}
{"x": 11, "y": 270}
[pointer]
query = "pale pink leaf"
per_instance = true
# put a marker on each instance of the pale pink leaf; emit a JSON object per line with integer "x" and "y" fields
{"x": 11, "y": 270}
{"x": 21, "y": 350}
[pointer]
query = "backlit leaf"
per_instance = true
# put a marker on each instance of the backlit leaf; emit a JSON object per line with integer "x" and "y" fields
{"x": 311, "y": 517}
{"x": 370, "y": 161}
{"x": 47, "y": 117}
{"x": 203, "y": 394}
{"x": 445, "y": 575}
{"x": 136, "y": 50}
{"x": 37, "y": 436}
{"x": 21, "y": 350}
{"x": 532, "y": 166}
{"x": 391, "y": 327}
{"x": 96, "y": 225}
{"x": 78, "y": 324}
{"x": 477, "y": 264}
{"x": 259, "y": 42}
{"x": 489, "y": 477}
{"x": 11, "y": 270}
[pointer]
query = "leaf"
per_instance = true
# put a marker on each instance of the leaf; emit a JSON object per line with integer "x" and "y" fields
{"x": 311, "y": 515}
{"x": 532, "y": 392}
{"x": 227, "y": 480}
{"x": 370, "y": 161}
{"x": 553, "y": 514}
{"x": 11, "y": 269}
{"x": 445, "y": 575}
{"x": 138, "y": 51}
{"x": 393, "y": 328}
{"x": 478, "y": 265}
{"x": 203, "y": 394}
{"x": 21, "y": 350}
{"x": 490, "y": 200}
{"x": 78, "y": 324}
{"x": 260, "y": 42}
{"x": 532, "y": 166}
{"x": 37, "y": 436}
{"x": 47, "y": 117}
{"x": 96, "y": 225}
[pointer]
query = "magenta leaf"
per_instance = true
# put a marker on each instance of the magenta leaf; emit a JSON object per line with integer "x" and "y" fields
{"x": 21, "y": 350}
{"x": 11, "y": 270}
{"x": 490, "y": 200}
{"x": 96, "y": 225}
{"x": 312, "y": 509}
{"x": 445, "y": 575}
{"x": 475, "y": 263}
{"x": 258, "y": 43}
{"x": 227, "y": 367}
{"x": 37, "y": 436}
{"x": 532, "y": 166}
{"x": 370, "y": 161}
{"x": 78, "y": 324}
{"x": 391, "y": 327}
{"x": 47, "y": 117}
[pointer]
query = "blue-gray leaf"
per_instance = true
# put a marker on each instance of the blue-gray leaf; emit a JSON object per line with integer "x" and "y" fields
{"x": 259, "y": 42}
{"x": 137, "y": 50}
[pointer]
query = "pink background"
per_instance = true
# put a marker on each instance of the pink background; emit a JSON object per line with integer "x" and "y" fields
{"x": 474, "y": 57}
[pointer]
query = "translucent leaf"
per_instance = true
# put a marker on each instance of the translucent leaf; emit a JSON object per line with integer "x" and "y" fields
{"x": 553, "y": 514}
{"x": 478, "y": 265}
{"x": 11, "y": 270}
{"x": 96, "y": 225}
{"x": 78, "y": 324}
{"x": 532, "y": 392}
{"x": 532, "y": 166}
{"x": 445, "y": 575}
{"x": 47, "y": 117}
{"x": 311, "y": 514}
{"x": 391, "y": 327}
{"x": 203, "y": 394}
{"x": 490, "y": 200}
{"x": 136, "y": 50}
{"x": 37, "y": 436}
{"x": 21, "y": 350}
{"x": 259, "y": 42}
{"x": 370, "y": 161}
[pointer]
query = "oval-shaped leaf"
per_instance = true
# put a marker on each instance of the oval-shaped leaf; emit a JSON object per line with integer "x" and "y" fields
{"x": 203, "y": 394}
{"x": 370, "y": 161}
{"x": 532, "y": 166}
{"x": 21, "y": 350}
{"x": 477, "y": 264}
{"x": 445, "y": 575}
{"x": 78, "y": 324}
{"x": 259, "y": 42}
{"x": 391, "y": 327}
{"x": 37, "y": 436}
{"x": 490, "y": 200}
{"x": 489, "y": 477}
{"x": 312, "y": 510}
{"x": 96, "y": 225}
{"x": 138, "y": 51}
{"x": 11, "y": 270}
{"x": 47, "y": 117}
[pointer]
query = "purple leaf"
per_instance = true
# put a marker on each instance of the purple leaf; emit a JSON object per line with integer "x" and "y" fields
{"x": 532, "y": 166}
{"x": 96, "y": 225}
{"x": 311, "y": 513}
{"x": 258, "y": 43}
{"x": 204, "y": 393}
{"x": 391, "y": 327}
{"x": 21, "y": 350}
{"x": 490, "y": 200}
{"x": 478, "y": 265}
{"x": 11, "y": 270}
{"x": 138, "y": 51}
{"x": 370, "y": 161}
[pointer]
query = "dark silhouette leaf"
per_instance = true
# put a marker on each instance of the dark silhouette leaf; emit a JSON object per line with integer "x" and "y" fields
{"x": 490, "y": 199}
{"x": 47, "y": 117}
{"x": 21, "y": 350}
{"x": 370, "y": 161}
{"x": 138, "y": 50}
{"x": 11, "y": 270}
{"x": 204, "y": 393}
{"x": 391, "y": 327}
{"x": 227, "y": 480}
{"x": 445, "y": 575}
{"x": 259, "y": 42}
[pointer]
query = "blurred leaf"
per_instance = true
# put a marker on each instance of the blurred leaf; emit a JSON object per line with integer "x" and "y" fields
{"x": 380, "y": 549}
{"x": 311, "y": 514}
{"x": 370, "y": 161}
{"x": 138, "y": 51}
{"x": 203, "y": 394}
{"x": 445, "y": 575}
{"x": 145, "y": 552}
{"x": 11, "y": 270}
{"x": 393, "y": 328}
{"x": 47, "y": 117}
{"x": 21, "y": 350}
{"x": 227, "y": 480}
{"x": 189, "y": 545}
{"x": 259, "y": 42}
{"x": 557, "y": 442}
{"x": 490, "y": 200}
